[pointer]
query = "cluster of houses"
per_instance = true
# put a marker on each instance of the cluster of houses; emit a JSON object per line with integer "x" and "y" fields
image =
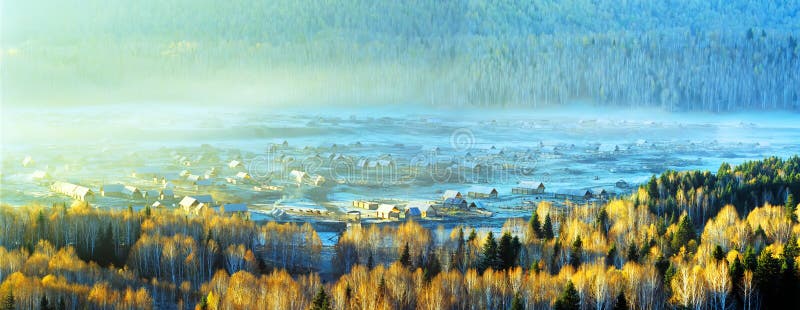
{"x": 411, "y": 210}
{"x": 196, "y": 205}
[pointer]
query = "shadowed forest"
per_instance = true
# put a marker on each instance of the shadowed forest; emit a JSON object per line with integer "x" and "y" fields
{"x": 692, "y": 239}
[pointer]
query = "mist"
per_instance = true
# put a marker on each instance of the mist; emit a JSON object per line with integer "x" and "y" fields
{"x": 692, "y": 56}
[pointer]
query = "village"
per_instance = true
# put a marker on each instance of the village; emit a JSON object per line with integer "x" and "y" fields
{"x": 457, "y": 174}
{"x": 321, "y": 187}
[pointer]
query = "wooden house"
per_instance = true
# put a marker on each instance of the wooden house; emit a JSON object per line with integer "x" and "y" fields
{"x": 387, "y": 211}
{"x": 482, "y": 193}
{"x": 528, "y": 188}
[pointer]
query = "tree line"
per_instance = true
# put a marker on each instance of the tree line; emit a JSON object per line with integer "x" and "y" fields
{"x": 631, "y": 253}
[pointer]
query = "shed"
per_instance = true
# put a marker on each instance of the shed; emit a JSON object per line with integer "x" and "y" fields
{"x": 528, "y": 188}
{"x": 368, "y": 205}
{"x": 426, "y": 209}
{"x": 482, "y": 193}
{"x": 573, "y": 194}
{"x": 387, "y": 211}
{"x": 451, "y": 194}
{"x": 412, "y": 212}
{"x": 455, "y": 203}
{"x": 234, "y": 164}
{"x": 232, "y": 208}
{"x": 75, "y": 191}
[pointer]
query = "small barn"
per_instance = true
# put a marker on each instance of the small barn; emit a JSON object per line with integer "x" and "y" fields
{"x": 387, "y": 211}
{"x": 367, "y": 205}
{"x": 455, "y": 203}
{"x": 121, "y": 191}
{"x": 573, "y": 194}
{"x": 426, "y": 209}
{"x": 451, "y": 194}
{"x": 528, "y": 188}
{"x": 235, "y": 164}
{"x": 75, "y": 191}
{"x": 412, "y": 213}
{"x": 600, "y": 193}
{"x": 232, "y": 208}
{"x": 482, "y": 193}
{"x": 40, "y": 176}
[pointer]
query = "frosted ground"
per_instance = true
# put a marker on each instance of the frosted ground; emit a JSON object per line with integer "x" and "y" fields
{"x": 577, "y": 148}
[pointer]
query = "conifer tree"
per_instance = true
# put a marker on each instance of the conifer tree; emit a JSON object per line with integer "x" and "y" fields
{"x": 321, "y": 301}
{"x": 547, "y": 228}
{"x": 489, "y": 257}
{"x": 9, "y": 301}
{"x": 516, "y": 303}
{"x": 576, "y": 253}
{"x": 405, "y": 258}
{"x": 569, "y": 299}
{"x": 621, "y": 303}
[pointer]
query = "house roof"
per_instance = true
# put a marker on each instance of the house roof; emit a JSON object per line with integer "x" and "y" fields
{"x": 204, "y": 198}
{"x": 531, "y": 184}
{"x": 113, "y": 188}
{"x": 573, "y": 192}
{"x": 193, "y": 177}
{"x": 130, "y": 190}
{"x": 205, "y": 182}
{"x": 454, "y": 201}
{"x": 235, "y": 207}
{"x": 187, "y": 201}
{"x": 385, "y": 208}
{"x": 413, "y": 211}
{"x": 451, "y": 194}
{"x": 242, "y": 175}
{"x": 483, "y": 190}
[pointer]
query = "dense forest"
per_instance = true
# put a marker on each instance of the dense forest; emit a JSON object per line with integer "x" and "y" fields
{"x": 684, "y": 240}
{"x": 674, "y": 55}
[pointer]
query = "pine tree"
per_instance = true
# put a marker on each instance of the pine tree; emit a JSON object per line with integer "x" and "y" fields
{"x": 621, "y": 303}
{"x": 104, "y": 252}
{"x": 767, "y": 279}
{"x": 736, "y": 273}
{"x": 459, "y": 254}
{"x": 489, "y": 258}
{"x": 516, "y": 303}
{"x": 602, "y": 220}
{"x": 505, "y": 251}
{"x": 432, "y": 267}
{"x": 718, "y": 254}
{"x": 576, "y": 253}
{"x": 321, "y": 300}
{"x": 535, "y": 225}
{"x": 791, "y": 206}
{"x": 62, "y": 305}
{"x": 43, "y": 303}
{"x": 611, "y": 255}
{"x": 569, "y": 299}
{"x": 750, "y": 259}
{"x": 405, "y": 258}
{"x": 472, "y": 235}
{"x": 633, "y": 253}
{"x": 370, "y": 261}
{"x": 547, "y": 228}
{"x": 684, "y": 234}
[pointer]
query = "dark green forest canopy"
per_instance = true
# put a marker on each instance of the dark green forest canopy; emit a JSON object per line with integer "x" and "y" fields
{"x": 686, "y": 55}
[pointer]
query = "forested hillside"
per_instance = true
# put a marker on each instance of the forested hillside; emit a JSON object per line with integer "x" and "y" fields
{"x": 685, "y": 239}
{"x": 675, "y": 55}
